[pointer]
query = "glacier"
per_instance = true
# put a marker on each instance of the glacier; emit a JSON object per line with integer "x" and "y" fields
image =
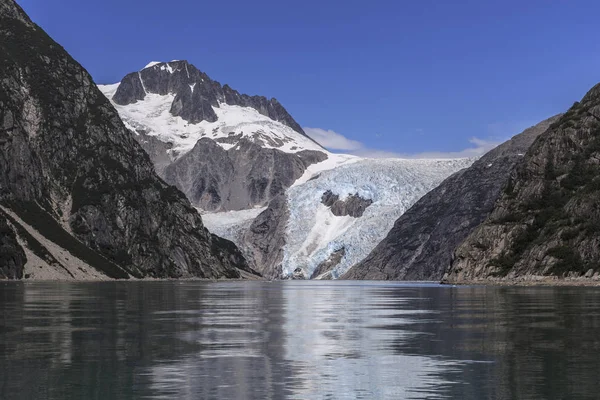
{"x": 394, "y": 185}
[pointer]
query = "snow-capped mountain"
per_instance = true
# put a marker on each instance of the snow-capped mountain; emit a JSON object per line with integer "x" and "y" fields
{"x": 159, "y": 112}
{"x": 223, "y": 149}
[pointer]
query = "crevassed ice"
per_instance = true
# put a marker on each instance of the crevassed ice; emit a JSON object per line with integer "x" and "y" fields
{"x": 314, "y": 233}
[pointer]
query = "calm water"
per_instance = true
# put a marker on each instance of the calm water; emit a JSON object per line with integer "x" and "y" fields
{"x": 297, "y": 340}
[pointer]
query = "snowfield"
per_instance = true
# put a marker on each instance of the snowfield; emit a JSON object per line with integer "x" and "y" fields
{"x": 152, "y": 117}
{"x": 394, "y": 185}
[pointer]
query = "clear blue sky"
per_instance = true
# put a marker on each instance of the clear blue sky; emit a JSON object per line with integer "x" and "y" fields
{"x": 401, "y": 76}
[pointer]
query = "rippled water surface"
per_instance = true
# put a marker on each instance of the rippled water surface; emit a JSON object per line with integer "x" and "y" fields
{"x": 297, "y": 340}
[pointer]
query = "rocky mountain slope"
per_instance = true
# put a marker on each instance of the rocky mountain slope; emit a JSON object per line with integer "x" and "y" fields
{"x": 79, "y": 197}
{"x": 547, "y": 221}
{"x": 421, "y": 243}
{"x": 224, "y": 150}
{"x": 323, "y": 226}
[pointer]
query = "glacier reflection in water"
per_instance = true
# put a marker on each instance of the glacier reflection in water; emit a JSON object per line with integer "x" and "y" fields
{"x": 296, "y": 340}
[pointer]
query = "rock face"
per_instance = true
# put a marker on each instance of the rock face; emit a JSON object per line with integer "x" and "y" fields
{"x": 12, "y": 256}
{"x": 263, "y": 243}
{"x": 421, "y": 243}
{"x": 70, "y": 169}
{"x": 242, "y": 177}
{"x": 547, "y": 221}
{"x": 225, "y": 150}
{"x": 323, "y": 270}
{"x": 353, "y": 206}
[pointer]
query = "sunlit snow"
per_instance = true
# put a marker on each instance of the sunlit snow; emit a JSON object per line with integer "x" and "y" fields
{"x": 153, "y": 117}
{"x": 152, "y": 64}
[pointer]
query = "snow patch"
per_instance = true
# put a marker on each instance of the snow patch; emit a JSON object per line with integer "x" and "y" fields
{"x": 152, "y": 64}
{"x": 142, "y": 82}
{"x": 109, "y": 90}
{"x": 167, "y": 67}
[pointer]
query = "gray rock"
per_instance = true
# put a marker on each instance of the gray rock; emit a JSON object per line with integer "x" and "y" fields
{"x": 242, "y": 177}
{"x": 326, "y": 266}
{"x": 353, "y": 206}
{"x": 263, "y": 243}
{"x": 298, "y": 274}
{"x": 421, "y": 243}
{"x": 70, "y": 169}
{"x": 157, "y": 150}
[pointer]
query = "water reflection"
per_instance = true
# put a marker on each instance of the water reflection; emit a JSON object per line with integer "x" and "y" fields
{"x": 296, "y": 340}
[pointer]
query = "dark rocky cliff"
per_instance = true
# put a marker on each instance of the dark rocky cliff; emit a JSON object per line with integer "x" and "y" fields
{"x": 70, "y": 169}
{"x": 12, "y": 256}
{"x": 547, "y": 221}
{"x": 421, "y": 243}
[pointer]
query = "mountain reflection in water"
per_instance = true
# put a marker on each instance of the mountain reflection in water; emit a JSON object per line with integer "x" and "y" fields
{"x": 296, "y": 340}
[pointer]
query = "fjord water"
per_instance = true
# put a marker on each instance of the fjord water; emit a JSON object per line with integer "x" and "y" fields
{"x": 296, "y": 340}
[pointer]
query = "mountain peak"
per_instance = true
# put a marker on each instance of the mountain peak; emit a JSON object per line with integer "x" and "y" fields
{"x": 193, "y": 95}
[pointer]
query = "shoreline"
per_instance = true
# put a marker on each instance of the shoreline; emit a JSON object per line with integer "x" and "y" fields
{"x": 531, "y": 281}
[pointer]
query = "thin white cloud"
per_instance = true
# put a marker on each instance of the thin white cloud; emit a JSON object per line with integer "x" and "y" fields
{"x": 479, "y": 147}
{"x": 333, "y": 140}
{"x": 336, "y": 141}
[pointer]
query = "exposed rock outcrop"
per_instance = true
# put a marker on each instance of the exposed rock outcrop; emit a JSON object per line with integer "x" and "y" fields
{"x": 353, "y": 205}
{"x": 242, "y": 177}
{"x": 323, "y": 270}
{"x": 263, "y": 243}
{"x": 547, "y": 220}
{"x": 421, "y": 243}
{"x": 70, "y": 168}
